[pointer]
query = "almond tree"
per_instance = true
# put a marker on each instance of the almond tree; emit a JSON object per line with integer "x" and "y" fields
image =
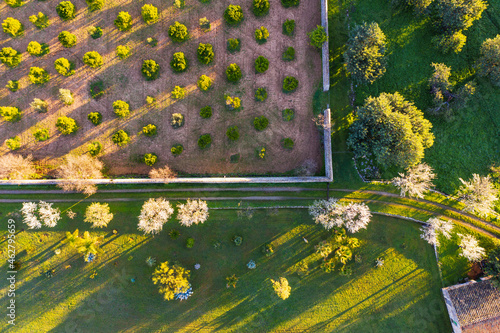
{"x": 15, "y": 167}
{"x": 154, "y": 214}
{"x": 356, "y": 216}
{"x": 165, "y": 174}
{"x": 328, "y": 213}
{"x": 436, "y": 226}
{"x": 49, "y": 216}
{"x": 192, "y": 212}
{"x": 36, "y": 214}
{"x": 478, "y": 194}
{"x": 76, "y": 174}
{"x": 98, "y": 214}
{"x": 470, "y": 248}
{"x": 29, "y": 215}
{"x": 416, "y": 181}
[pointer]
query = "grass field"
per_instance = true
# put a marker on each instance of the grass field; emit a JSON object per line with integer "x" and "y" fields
{"x": 469, "y": 143}
{"x": 403, "y": 295}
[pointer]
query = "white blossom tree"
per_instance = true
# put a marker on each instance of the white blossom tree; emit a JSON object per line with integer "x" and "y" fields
{"x": 470, "y": 248}
{"x": 328, "y": 213}
{"x": 436, "y": 226}
{"x": 16, "y": 167}
{"x": 154, "y": 214}
{"x": 98, "y": 214}
{"x": 77, "y": 172}
{"x": 28, "y": 212}
{"x": 192, "y": 212}
{"x": 416, "y": 181}
{"x": 49, "y": 216}
{"x": 165, "y": 174}
{"x": 478, "y": 194}
{"x": 36, "y": 214}
{"x": 356, "y": 216}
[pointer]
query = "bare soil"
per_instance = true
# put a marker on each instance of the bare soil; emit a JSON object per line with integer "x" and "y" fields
{"x": 123, "y": 80}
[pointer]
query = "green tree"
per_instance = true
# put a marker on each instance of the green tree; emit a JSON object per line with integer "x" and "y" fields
{"x": 10, "y": 113}
{"x": 66, "y": 125}
{"x": 261, "y": 64}
{"x": 260, "y": 7}
{"x": 64, "y": 67}
{"x": 10, "y": 57}
{"x": 261, "y": 35}
{"x": 391, "y": 130}
{"x": 36, "y": 49}
{"x": 12, "y": 85}
{"x": 150, "y": 159}
{"x": 489, "y": 62}
{"x": 364, "y": 57}
{"x": 233, "y": 73}
{"x": 204, "y": 82}
{"x": 289, "y": 27}
{"x": 204, "y": 141}
{"x": 150, "y": 70}
{"x": 120, "y": 138}
{"x": 171, "y": 279}
{"x": 149, "y": 14}
{"x": 121, "y": 108}
{"x": 260, "y": 123}
{"x": 66, "y": 10}
{"x": 318, "y": 37}
{"x": 95, "y": 118}
{"x": 67, "y": 39}
{"x": 92, "y": 59}
{"x": 179, "y": 62}
{"x": 123, "y": 21}
{"x": 40, "y": 20}
{"x": 233, "y": 133}
{"x": 149, "y": 130}
{"x": 95, "y": 4}
{"x": 178, "y": 32}
{"x": 38, "y": 75}
{"x": 12, "y": 27}
{"x": 290, "y": 3}
{"x": 122, "y": 51}
{"x": 205, "y": 53}
{"x": 233, "y": 14}
{"x": 492, "y": 266}
{"x": 456, "y": 15}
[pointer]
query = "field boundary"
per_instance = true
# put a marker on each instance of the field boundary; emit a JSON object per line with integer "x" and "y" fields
{"x": 327, "y": 178}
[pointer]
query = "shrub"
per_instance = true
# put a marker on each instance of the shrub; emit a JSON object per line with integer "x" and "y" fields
{"x": 66, "y": 10}
{"x": 287, "y": 143}
{"x": 261, "y": 35}
{"x": 66, "y": 125}
{"x": 190, "y": 243}
{"x": 123, "y": 21}
{"x": 289, "y": 27}
{"x": 176, "y": 150}
{"x": 66, "y": 96}
{"x": 233, "y": 103}
{"x": 14, "y": 3}
{"x": 67, "y": 39}
{"x": 12, "y": 27}
{"x": 289, "y": 54}
{"x": 10, "y": 113}
{"x": 288, "y": 114}
{"x": 95, "y": 4}
{"x": 206, "y": 112}
{"x": 205, "y": 53}
{"x": 204, "y": 82}
{"x": 39, "y": 105}
{"x": 10, "y": 57}
{"x": 150, "y": 70}
{"x": 150, "y": 100}
{"x": 64, "y": 67}
{"x": 364, "y": 57}
{"x": 38, "y": 75}
{"x": 151, "y": 41}
{"x": 261, "y": 152}
{"x": 120, "y": 138}
{"x": 174, "y": 234}
{"x": 237, "y": 240}
{"x": 450, "y": 42}
{"x": 204, "y": 141}
{"x": 95, "y": 118}
{"x": 122, "y": 51}
{"x": 290, "y": 84}
{"x": 179, "y": 62}
{"x": 233, "y": 45}
{"x": 36, "y": 49}
{"x": 150, "y": 159}
{"x": 97, "y": 89}
{"x": 149, "y": 130}
{"x": 490, "y": 60}
{"x": 13, "y": 143}
{"x": 261, "y": 64}
{"x": 233, "y": 133}
{"x": 233, "y": 14}
{"x": 204, "y": 24}
{"x": 290, "y": 3}
{"x": 172, "y": 279}
{"x": 41, "y": 134}
{"x": 318, "y": 37}
{"x": 179, "y": 92}
{"x": 178, "y": 32}
{"x": 92, "y": 59}
{"x": 40, "y": 20}
{"x": 233, "y": 73}
{"x": 260, "y": 123}
{"x": 260, "y": 94}
{"x": 12, "y": 85}
{"x": 121, "y": 108}
{"x": 149, "y": 14}
{"x": 177, "y": 120}
{"x": 95, "y": 32}
{"x": 260, "y": 7}
{"x": 268, "y": 250}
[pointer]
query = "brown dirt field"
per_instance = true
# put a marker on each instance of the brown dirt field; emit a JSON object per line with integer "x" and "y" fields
{"x": 124, "y": 81}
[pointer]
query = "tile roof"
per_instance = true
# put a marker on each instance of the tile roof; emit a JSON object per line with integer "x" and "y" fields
{"x": 475, "y": 302}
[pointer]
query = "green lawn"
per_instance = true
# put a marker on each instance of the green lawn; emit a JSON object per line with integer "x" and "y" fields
{"x": 467, "y": 144}
{"x": 403, "y": 295}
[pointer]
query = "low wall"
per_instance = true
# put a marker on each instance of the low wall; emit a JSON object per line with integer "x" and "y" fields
{"x": 325, "y": 54}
